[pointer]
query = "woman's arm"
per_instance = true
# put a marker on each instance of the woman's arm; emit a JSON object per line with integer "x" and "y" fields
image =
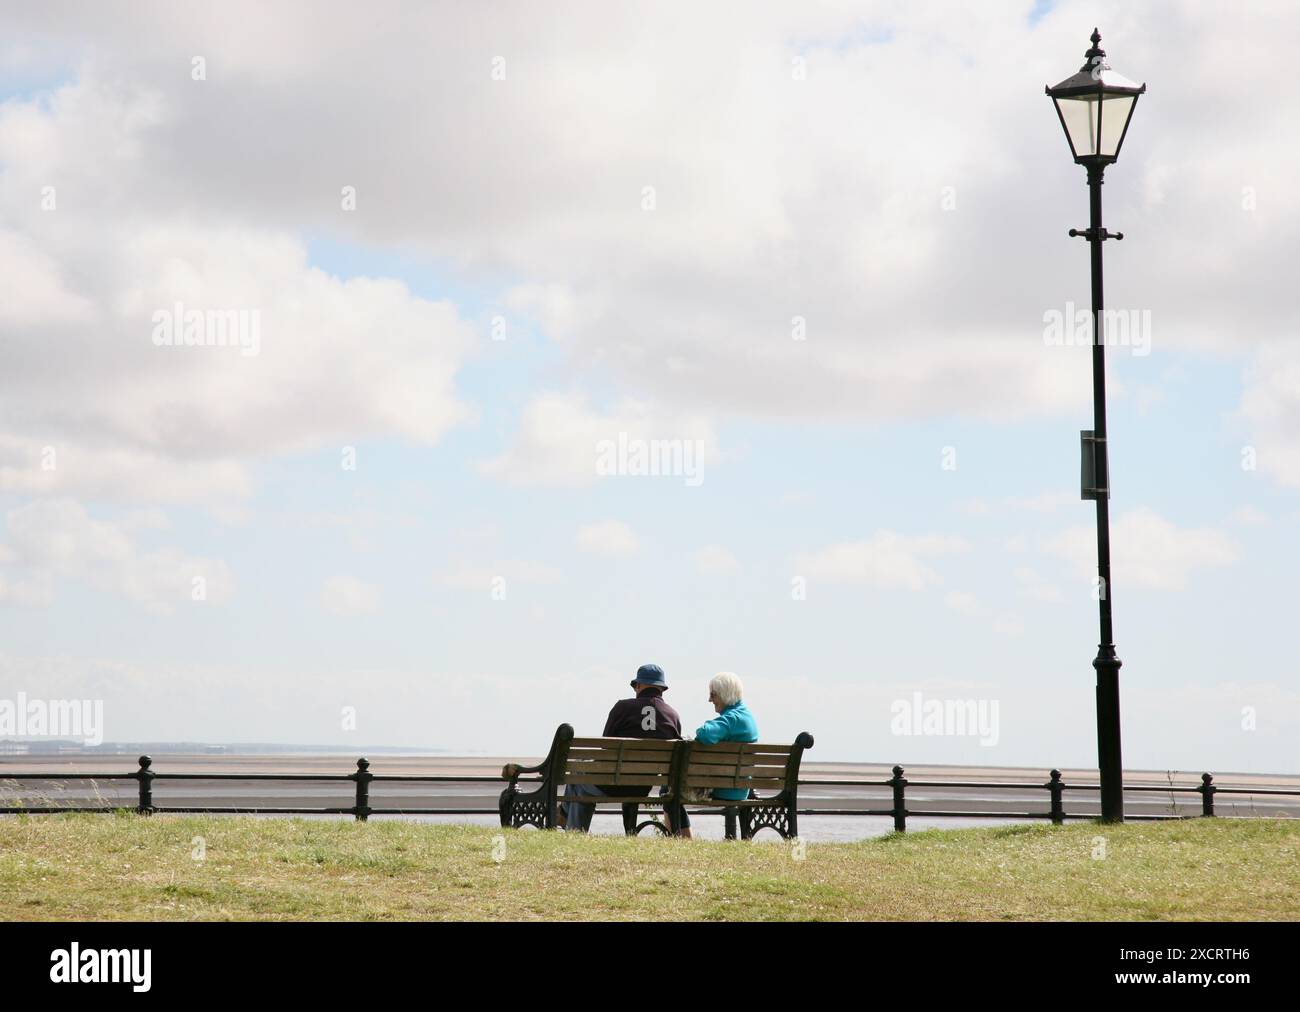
{"x": 713, "y": 731}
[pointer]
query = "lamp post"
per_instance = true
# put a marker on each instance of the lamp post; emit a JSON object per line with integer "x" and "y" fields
{"x": 1094, "y": 106}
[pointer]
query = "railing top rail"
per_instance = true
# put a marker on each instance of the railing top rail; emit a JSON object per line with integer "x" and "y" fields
{"x": 362, "y": 776}
{"x": 442, "y": 778}
{"x": 256, "y": 776}
{"x": 1031, "y": 785}
{"x": 133, "y": 775}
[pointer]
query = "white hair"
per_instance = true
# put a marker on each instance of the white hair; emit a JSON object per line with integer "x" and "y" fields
{"x": 726, "y": 686}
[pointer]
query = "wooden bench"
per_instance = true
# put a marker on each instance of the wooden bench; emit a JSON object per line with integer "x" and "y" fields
{"x": 684, "y": 769}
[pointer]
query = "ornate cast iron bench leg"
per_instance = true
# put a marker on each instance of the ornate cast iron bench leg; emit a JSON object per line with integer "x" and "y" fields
{"x": 506, "y": 805}
{"x": 778, "y": 815}
{"x": 538, "y": 807}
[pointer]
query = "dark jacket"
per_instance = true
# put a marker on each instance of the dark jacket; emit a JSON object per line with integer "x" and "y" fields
{"x": 643, "y": 716}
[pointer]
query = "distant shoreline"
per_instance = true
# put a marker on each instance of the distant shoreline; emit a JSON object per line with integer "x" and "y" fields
{"x": 53, "y": 746}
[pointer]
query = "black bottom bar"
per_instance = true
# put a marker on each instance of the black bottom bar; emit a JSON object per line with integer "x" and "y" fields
{"x": 234, "y": 960}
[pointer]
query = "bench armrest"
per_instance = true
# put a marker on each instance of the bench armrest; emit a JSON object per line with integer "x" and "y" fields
{"x": 512, "y": 771}
{"x": 559, "y": 749}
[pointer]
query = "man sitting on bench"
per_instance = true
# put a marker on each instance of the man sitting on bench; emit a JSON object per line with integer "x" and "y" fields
{"x": 645, "y": 716}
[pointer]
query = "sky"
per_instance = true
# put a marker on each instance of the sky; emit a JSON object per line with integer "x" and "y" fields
{"x": 815, "y": 250}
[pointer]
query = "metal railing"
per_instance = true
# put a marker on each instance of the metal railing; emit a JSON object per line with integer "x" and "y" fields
{"x": 1055, "y": 787}
{"x": 361, "y": 809}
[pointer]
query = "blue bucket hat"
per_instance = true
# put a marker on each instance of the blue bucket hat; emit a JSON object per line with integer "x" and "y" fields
{"x": 649, "y": 674}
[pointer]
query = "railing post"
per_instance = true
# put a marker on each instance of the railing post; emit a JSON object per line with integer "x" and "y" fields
{"x": 145, "y": 778}
{"x": 1207, "y": 790}
{"x": 900, "y": 812}
{"x": 1054, "y": 785}
{"x": 362, "y": 776}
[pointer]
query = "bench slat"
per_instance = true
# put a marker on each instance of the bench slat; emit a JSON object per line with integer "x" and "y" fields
{"x": 610, "y": 778}
{"x": 741, "y": 803}
{"x": 742, "y": 783}
{"x": 746, "y": 769}
{"x": 632, "y": 756}
{"x": 613, "y": 800}
{"x": 713, "y": 773}
{"x": 656, "y": 768}
{"x": 657, "y": 744}
{"x": 746, "y": 748}
{"x": 715, "y": 758}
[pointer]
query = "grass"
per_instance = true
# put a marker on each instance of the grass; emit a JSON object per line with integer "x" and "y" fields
{"x": 106, "y": 867}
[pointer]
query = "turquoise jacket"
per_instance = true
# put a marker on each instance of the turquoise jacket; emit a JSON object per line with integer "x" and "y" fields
{"x": 735, "y": 723}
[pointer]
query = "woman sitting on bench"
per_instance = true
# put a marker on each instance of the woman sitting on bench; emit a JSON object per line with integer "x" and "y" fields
{"x": 733, "y": 722}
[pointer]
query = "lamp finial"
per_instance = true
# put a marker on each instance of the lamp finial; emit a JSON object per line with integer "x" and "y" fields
{"x": 1096, "y": 56}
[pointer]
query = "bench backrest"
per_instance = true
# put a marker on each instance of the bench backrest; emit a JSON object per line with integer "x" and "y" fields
{"x": 620, "y": 762}
{"x": 741, "y": 765}
{"x": 677, "y": 765}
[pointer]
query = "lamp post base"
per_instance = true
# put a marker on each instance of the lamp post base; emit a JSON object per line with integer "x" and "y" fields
{"x": 1110, "y": 762}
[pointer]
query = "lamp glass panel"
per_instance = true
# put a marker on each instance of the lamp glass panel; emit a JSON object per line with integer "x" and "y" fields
{"x": 1080, "y": 115}
{"x": 1114, "y": 116}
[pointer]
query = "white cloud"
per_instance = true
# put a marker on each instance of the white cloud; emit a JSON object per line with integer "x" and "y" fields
{"x": 55, "y": 539}
{"x": 60, "y": 468}
{"x": 560, "y": 436}
{"x": 887, "y": 559}
{"x": 32, "y": 289}
{"x": 36, "y": 592}
{"x": 337, "y": 359}
{"x": 152, "y": 519}
{"x": 327, "y": 349}
{"x": 972, "y": 606}
{"x": 347, "y": 596}
{"x": 611, "y": 538}
{"x": 964, "y": 602}
{"x": 1008, "y": 624}
{"x": 1249, "y": 516}
{"x": 481, "y": 577}
{"x": 231, "y": 515}
{"x": 1147, "y": 550}
{"x": 712, "y": 560}
{"x": 1034, "y": 586}
{"x": 1270, "y": 411}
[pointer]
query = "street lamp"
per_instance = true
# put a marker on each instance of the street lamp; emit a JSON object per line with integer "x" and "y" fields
{"x": 1094, "y": 107}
